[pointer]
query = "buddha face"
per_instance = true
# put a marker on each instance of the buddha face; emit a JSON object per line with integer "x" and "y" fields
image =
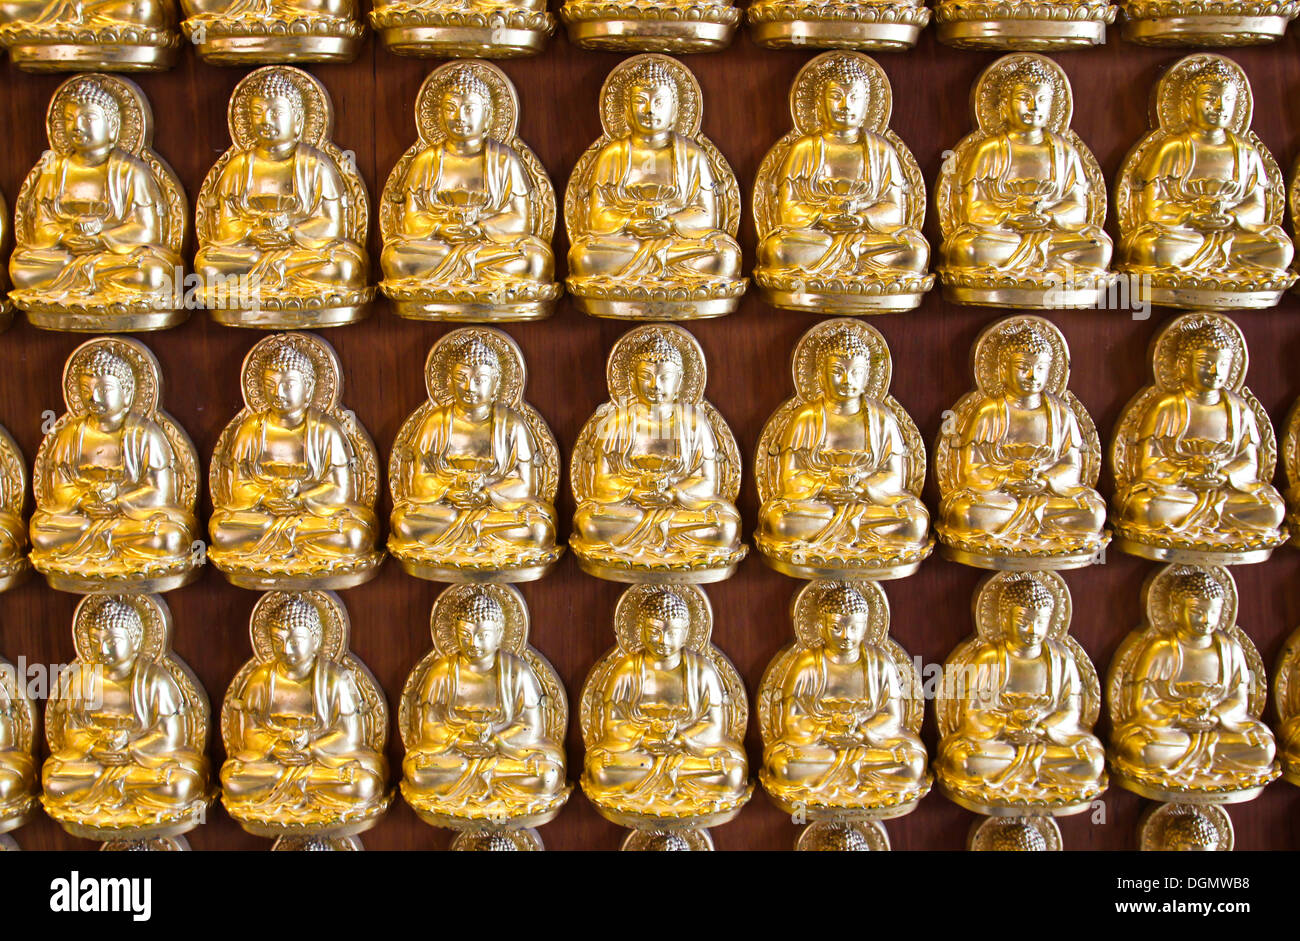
{"x": 844, "y": 104}
{"x": 104, "y": 394}
{"x": 295, "y": 645}
{"x": 1213, "y": 103}
{"x": 844, "y": 377}
{"x": 287, "y": 390}
{"x": 664, "y": 637}
{"x": 1198, "y": 614}
{"x": 113, "y": 642}
{"x": 86, "y": 126}
{"x": 651, "y": 109}
{"x": 1027, "y": 373}
{"x": 657, "y": 383}
{"x": 1029, "y": 105}
{"x": 480, "y": 637}
{"x": 1025, "y": 625}
{"x": 273, "y": 119}
{"x": 843, "y": 631}
{"x": 1206, "y": 368}
{"x": 474, "y": 385}
{"x": 464, "y": 114}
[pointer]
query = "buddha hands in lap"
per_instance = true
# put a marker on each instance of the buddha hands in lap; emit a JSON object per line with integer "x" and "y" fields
{"x": 304, "y": 725}
{"x": 468, "y": 212}
{"x": 1018, "y": 704}
{"x": 294, "y": 479}
{"x": 664, "y": 717}
{"x": 1201, "y": 199}
{"x": 1194, "y": 454}
{"x": 1018, "y": 468}
{"x": 282, "y": 216}
{"x": 839, "y": 201}
{"x": 1022, "y": 201}
{"x": 17, "y": 750}
{"x": 474, "y": 470}
{"x": 127, "y": 727}
{"x": 231, "y": 32}
{"x": 840, "y": 466}
{"x": 483, "y": 718}
{"x": 1185, "y": 694}
{"x": 101, "y": 218}
{"x": 652, "y": 208}
{"x": 840, "y": 709}
{"x": 656, "y": 470}
{"x": 116, "y": 479}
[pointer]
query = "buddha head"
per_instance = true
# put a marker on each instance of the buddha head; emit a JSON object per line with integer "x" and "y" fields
{"x": 296, "y": 634}
{"x": 1025, "y": 609}
{"x": 842, "y": 838}
{"x": 664, "y": 621}
{"x": 1195, "y": 602}
{"x": 1030, "y": 88}
{"x": 116, "y": 632}
{"x": 475, "y": 373}
{"x": 1025, "y": 362}
{"x": 288, "y": 378}
{"x": 651, "y": 98}
{"x": 480, "y": 624}
{"x": 1015, "y": 835}
{"x": 1206, "y": 355}
{"x": 844, "y": 365}
{"x": 91, "y": 118}
{"x": 844, "y": 95}
{"x": 657, "y": 371}
{"x": 1211, "y": 96}
{"x": 464, "y": 106}
{"x": 667, "y": 841}
{"x": 844, "y": 617}
{"x": 275, "y": 110}
{"x": 1190, "y": 831}
{"x": 107, "y": 384}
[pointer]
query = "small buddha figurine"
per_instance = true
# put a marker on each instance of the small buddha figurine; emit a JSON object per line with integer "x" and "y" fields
{"x": 304, "y": 725}
{"x": 127, "y": 727}
{"x": 840, "y": 711}
{"x": 13, "y": 496}
{"x": 18, "y": 723}
{"x": 483, "y": 719}
{"x": 663, "y": 717}
{"x": 892, "y": 25}
{"x": 116, "y": 479}
{"x": 109, "y": 35}
{"x": 1185, "y": 693}
{"x": 1286, "y": 698}
{"x": 1200, "y": 199}
{"x": 652, "y": 208}
{"x": 655, "y": 471}
{"x": 492, "y": 29}
{"x": 675, "y": 26}
{"x": 100, "y": 220}
{"x": 1194, "y": 453}
{"x": 1022, "y": 200}
{"x": 839, "y": 201}
{"x": 1052, "y": 25}
{"x": 6, "y": 307}
{"x": 1018, "y": 459}
{"x": 1194, "y": 828}
{"x": 474, "y": 470}
{"x": 1018, "y": 704}
{"x": 240, "y": 32}
{"x": 1188, "y": 23}
{"x": 468, "y": 212}
{"x": 283, "y": 215}
{"x": 1290, "y": 454}
{"x": 293, "y": 477}
{"x": 840, "y": 465}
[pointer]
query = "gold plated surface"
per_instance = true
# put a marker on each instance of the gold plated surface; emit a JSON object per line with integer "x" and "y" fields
{"x": 1217, "y": 23}
{"x": 294, "y": 477}
{"x": 494, "y": 29}
{"x": 468, "y": 212}
{"x": 304, "y": 725}
{"x": 655, "y": 471}
{"x": 1185, "y": 692}
{"x": 116, "y": 479}
{"x": 652, "y": 207}
{"x": 100, "y": 220}
{"x": 108, "y": 35}
{"x": 1014, "y": 834}
{"x": 1197, "y": 828}
{"x": 840, "y": 465}
{"x": 1200, "y": 200}
{"x": 840, "y": 200}
{"x": 1286, "y": 700}
{"x": 837, "y": 24}
{"x": 239, "y": 32}
{"x": 676, "y": 26}
{"x": 283, "y": 214}
{"x": 14, "y": 565}
{"x": 1193, "y": 454}
{"x": 127, "y": 727}
{"x": 843, "y": 836}
{"x": 1017, "y": 458}
{"x": 19, "y": 722}
{"x": 1046, "y": 25}
{"x": 1021, "y": 200}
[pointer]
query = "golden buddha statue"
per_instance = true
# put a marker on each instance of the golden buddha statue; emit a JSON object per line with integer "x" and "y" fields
{"x": 100, "y": 220}
{"x": 1185, "y": 693}
{"x": 304, "y": 725}
{"x": 1290, "y": 448}
{"x": 1222, "y": 23}
{"x": 663, "y": 717}
{"x": 1049, "y": 25}
{"x": 652, "y": 208}
{"x": 474, "y": 470}
{"x": 1193, "y": 454}
{"x": 840, "y": 465}
{"x": 482, "y": 718}
{"x": 839, "y": 201}
{"x": 1017, "y": 705}
{"x": 1022, "y": 201}
{"x": 468, "y": 212}
{"x": 282, "y": 216}
{"x": 116, "y": 479}
{"x": 1200, "y": 199}
{"x": 655, "y": 471}
{"x": 1286, "y": 698}
{"x": 1030, "y": 834}
{"x": 127, "y": 727}
{"x": 1017, "y": 462}
{"x": 18, "y": 721}
{"x": 1196, "y": 828}
{"x": 294, "y": 477}
{"x": 892, "y": 25}
{"x": 14, "y": 565}
{"x": 239, "y": 32}
{"x": 840, "y": 712}
{"x": 493, "y": 29}
{"x": 6, "y": 307}
{"x": 110, "y": 35}
{"x": 675, "y": 26}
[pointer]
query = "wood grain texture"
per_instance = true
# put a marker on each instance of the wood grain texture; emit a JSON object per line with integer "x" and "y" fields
{"x": 745, "y": 113}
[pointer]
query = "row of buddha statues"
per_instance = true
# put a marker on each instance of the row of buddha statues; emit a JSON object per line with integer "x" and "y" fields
{"x": 652, "y": 208}
{"x": 473, "y": 472}
{"x": 482, "y": 720}
{"x": 45, "y": 35}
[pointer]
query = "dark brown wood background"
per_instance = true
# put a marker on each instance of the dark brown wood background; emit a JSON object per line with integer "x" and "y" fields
{"x": 745, "y": 111}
